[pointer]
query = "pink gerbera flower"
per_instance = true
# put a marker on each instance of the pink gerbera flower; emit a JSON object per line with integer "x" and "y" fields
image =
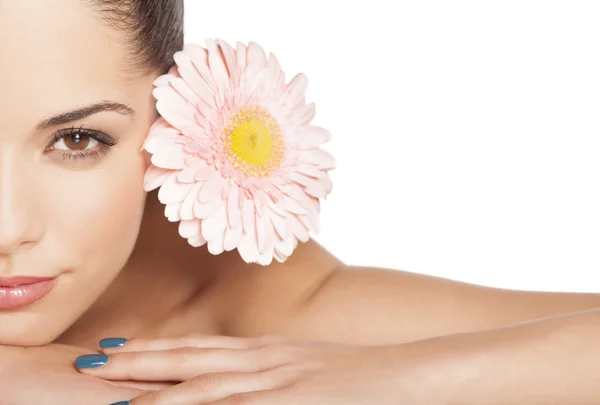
{"x": 234, "y": 154}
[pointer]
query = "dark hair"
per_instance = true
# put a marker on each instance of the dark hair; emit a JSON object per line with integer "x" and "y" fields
{"x": 154, "y": 29}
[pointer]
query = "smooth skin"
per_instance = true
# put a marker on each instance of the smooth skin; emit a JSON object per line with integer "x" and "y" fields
{"x": 123, "y": 271}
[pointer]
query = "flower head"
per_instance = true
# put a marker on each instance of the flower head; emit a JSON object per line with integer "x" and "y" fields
{"x": 234, "y": 154}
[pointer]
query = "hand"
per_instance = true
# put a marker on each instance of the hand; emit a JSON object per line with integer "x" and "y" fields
{"x": 261, "y": 371}
{"x": 47, "y": 376}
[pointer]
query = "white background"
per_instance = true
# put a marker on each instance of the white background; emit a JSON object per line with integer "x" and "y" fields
{"x": 466, "y": 132}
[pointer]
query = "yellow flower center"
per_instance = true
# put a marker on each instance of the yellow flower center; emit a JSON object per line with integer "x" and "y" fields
{"x": 253, "y": 142}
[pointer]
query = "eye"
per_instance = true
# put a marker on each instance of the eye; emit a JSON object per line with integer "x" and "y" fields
{"x": 75, "y": 143}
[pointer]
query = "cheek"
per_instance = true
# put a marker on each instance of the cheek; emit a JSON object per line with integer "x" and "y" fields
{"x": 96, "y": 212}
{"x": 94, "y": 223}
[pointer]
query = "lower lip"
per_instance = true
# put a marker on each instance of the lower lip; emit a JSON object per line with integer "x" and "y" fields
{"x": 24, "y": 294}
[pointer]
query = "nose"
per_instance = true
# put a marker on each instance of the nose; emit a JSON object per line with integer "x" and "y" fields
{"x": 18, "y": 219}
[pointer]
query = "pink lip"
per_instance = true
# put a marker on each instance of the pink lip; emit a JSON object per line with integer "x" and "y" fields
{"x": 17, "y": 292}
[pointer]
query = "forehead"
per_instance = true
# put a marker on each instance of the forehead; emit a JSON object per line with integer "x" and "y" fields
{"x": 55, "y": 51}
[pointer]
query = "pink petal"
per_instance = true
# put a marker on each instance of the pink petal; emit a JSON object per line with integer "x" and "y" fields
{"x": 248, "y": 248}
{"x": 189, "y": 229}
{"x": 286, "y": 246}
{"x": 233, "y": 209}
{"x": 229, "y": 54}
{"x": 173, "y": 108}
{"x": 298, "y": 229}
{"x": 297, "y": 193}
{"x": 266, "y": 258}
{"x": 306, "y": 113}
{"x": 233, "y": 236}
{"x": 197, "y": 240}
{"x": 184, "y": 90}
{"x": 172, "y": 212}
{"x": 164, "y": 80}
{"x": 311, "y": 223}
{"x": 205, "y": 210}
{"x": 261, "y": 236}
{"x": 316, "y": 189}
{"x": 313, "y": 137}
{"x": 225, "y": 190}
{"x": 155, "y": 177}
{"x": 318, "y": 157}
{"x": 172, "y": 191}
{"x": 256, "y": 54}
{"x": 240, "y": 53}
{"x": 214, "y": 226}
{"x": 295, "y": 90}
{"x": 199, "y": 58}
{"x": 187, "y": 207}
{"x": 278, "y": 208}
{"x": 312, "y": 205}
{"x": 301, "y": 178}
{"x": 187, "y": 175}
{"x": 279, "y": 257}
{"x": 248, "y": 214}
{"x": 204, "y": 153}
{"x": 272, "y": 85}
{"x": 217, "y": 65}
{"x": 191, "y": 147}
{"x": 171, "y": 157}
{"x": 280, "y": 225}
{"x": 204, "y": 173}
{"x": 216, "y": 246}
{"x": 293, "y": 206}
{"x": 193, "y": 68}
{"x": 327, "y": 184}
{"x": 212, "y": 187}
{"x": 259, "y": 81}
{"x": 259, "y": 207}
{"x": 160, "y": 133}
{"x": 270, "y": 237}
{"x": 310, "y": 169}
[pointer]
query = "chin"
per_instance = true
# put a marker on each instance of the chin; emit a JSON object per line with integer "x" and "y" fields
{"x": 24, "y": 340}
{"x": 26, "y": 330}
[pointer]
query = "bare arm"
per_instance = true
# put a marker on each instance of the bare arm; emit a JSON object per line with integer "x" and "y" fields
{"x": 547, "y": 361}
{"x": 315, "y": 297}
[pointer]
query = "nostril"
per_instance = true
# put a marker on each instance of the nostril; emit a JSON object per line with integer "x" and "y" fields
{"x": 9, "y": 247}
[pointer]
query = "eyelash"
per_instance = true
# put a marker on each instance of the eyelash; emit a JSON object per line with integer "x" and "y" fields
{"x": 105, "y": 144}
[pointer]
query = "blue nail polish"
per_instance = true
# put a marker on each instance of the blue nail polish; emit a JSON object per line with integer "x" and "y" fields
{"x": 91, "y": 361}
{"x": 110, "y": 343}
{"x": 121, "y": 403}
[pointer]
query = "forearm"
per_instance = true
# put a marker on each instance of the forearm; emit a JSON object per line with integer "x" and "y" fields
{"x": 547, "y": 361}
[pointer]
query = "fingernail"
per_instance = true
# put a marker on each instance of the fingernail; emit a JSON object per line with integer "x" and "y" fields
{"x": 120, "y": 403}
{"x": 91, "y": 361}
{"x": 110, "y": 343}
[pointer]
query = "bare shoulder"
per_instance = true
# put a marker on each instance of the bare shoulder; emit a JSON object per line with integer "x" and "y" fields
{"x": 252, "y": 299}
{"x": 315, "y": 296}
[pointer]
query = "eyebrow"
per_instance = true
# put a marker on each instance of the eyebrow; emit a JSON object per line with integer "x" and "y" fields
{"x": 84, "y": 112}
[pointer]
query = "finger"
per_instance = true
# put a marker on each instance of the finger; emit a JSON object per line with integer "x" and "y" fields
{"x": 217, "y": 387}
{"x": 118, "y": 345}
{"x": 109, "y": 394}
{"x": 253, "y": 398}
{"x": 147, "y": 386}
{"x": 178, "y": 364}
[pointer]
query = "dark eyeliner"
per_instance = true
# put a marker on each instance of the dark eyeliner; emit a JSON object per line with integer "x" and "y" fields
{"x": 92, "y": 133}
{"x": 105, "y": 143}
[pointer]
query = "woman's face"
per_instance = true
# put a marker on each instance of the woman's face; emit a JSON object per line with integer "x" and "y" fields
{"x": 72, "y": 121}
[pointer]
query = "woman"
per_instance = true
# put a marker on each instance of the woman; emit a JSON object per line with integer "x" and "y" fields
{"x": 88, "y": 258}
